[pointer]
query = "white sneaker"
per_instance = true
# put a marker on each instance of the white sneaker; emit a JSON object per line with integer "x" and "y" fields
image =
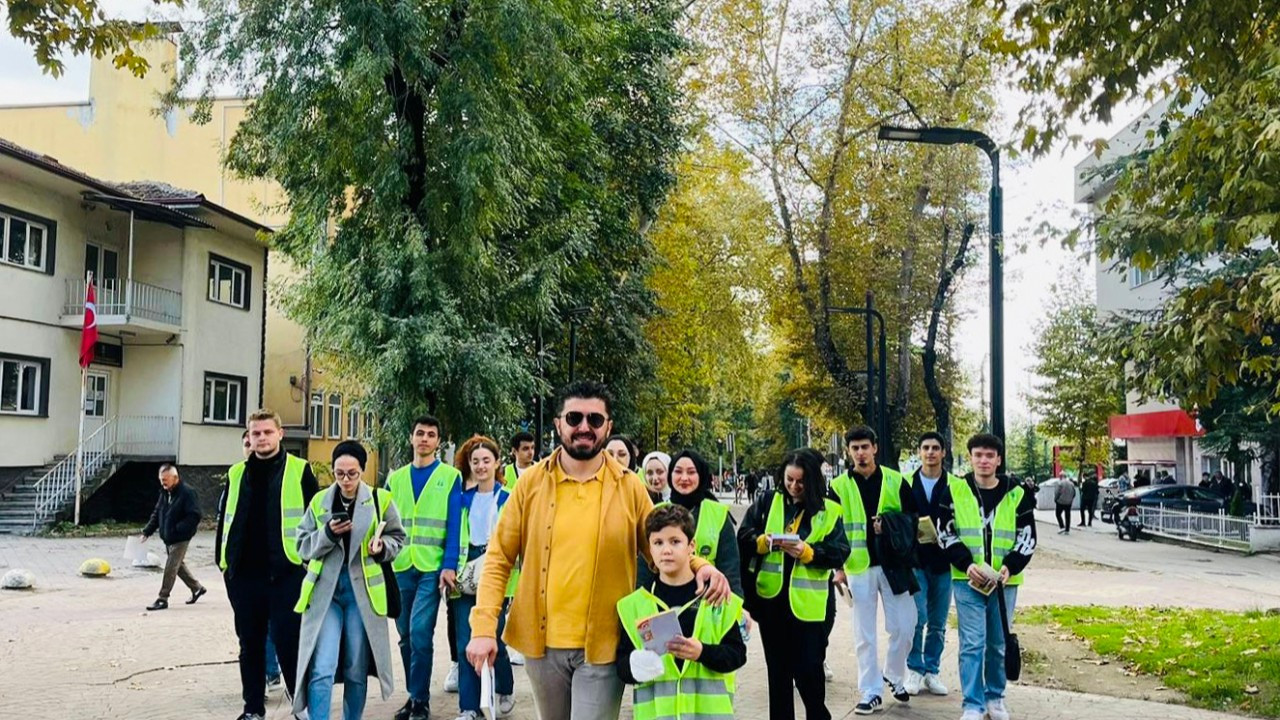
{"x": 972, "y": 715}
{"x": 468, "y": 715}
{"x": 451, "y": 682}
{"x": 934, "y": 684}
{"x": 506, "y": 705}
{"x": 826, "y": 670}
{"x": 516, "y": 657}
{"x": 996, "y": 710}
{"x": 913, "y": 683}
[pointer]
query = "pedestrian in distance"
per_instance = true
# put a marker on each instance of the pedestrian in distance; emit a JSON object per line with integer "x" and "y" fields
{"x": 692, "y": 676}
{"x": 523, "y": 447}
{"x": 256, "y": 546}
{"x": 474, "y": 510}
{"x": 1064, "y": 493}
{"x": 420, "y": 491}
{"x": 349, "y": 530}
{"x": 655, "y": 467}
{"x": 791, "y": 541}
{"x": 177, "y": 517}
{"x": 575, "y": 521}
{"x": 924, "y": 660}
{"x": 1088, "y": 499}
{"x": 865, "y": 494}
{"x": 988, "y": 531}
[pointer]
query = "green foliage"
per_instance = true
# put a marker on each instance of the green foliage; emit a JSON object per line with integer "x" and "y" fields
{"x": 1080, "y": 386}
{"x": 458, "y": 176}
{"x": 1222, "y": 660}
{"x": 54, "y": 28}
{"x": 1028, "y": 453}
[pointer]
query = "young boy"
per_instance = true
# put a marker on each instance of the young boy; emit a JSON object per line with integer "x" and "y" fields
{"x": 694, "y": 677}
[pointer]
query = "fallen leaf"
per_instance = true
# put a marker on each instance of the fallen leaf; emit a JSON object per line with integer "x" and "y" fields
{"x": 1251, "y": 689}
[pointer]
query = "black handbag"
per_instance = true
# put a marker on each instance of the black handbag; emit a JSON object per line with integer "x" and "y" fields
{"x": 388, "y": 574}
{"x": 1012, "y": 650}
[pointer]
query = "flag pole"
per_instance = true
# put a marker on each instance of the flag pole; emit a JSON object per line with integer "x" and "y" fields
{"x": 84, "y": 385}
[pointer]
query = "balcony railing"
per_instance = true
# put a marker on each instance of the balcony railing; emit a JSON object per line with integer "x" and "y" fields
{"x": 128, "y": 298}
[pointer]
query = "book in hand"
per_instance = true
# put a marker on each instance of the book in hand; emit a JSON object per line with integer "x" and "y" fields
{"x": 657, "y": 630}
{"x": 842, "y": 589}
{"x": 992, "y": 580}
{"x": 778, "y": 539}
{"x": 488, "y": 695}
{"x": 926, "y": 531}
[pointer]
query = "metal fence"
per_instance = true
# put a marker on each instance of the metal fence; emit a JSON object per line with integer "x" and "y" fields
{"x": 1217, "y": 530}
{"x": 1268, "y": 512}
{"x": 147, "y": 435}
{"x": 59, "y": 484}
{"x": 126, "y": 297}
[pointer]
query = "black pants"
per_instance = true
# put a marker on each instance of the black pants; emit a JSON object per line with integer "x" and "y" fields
{"x": 1087, "y": 504}
{"x": 794, "y": 652}
{"x": 453, "y": 639}
{"x": 1063, "y": 513}
{"x": 256, "y": 599}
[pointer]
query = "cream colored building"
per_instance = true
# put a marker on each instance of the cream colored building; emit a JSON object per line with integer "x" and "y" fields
{"x": 115, "y": 134}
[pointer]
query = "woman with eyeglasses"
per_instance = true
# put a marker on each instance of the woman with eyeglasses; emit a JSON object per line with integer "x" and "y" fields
{"x": 474, "y": 508}
{"x": 347, "y": 533}
{"x": 791, "y": 540}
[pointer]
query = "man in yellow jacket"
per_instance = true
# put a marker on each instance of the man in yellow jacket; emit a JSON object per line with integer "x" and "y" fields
{"x": 576, "y": 520}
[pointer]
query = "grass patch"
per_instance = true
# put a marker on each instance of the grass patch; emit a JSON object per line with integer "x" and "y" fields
{"x": 106, "y": 528}
{"x": 1220, "y": 660}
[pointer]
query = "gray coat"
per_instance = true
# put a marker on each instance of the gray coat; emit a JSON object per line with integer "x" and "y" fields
{"x": 314, "y": 543}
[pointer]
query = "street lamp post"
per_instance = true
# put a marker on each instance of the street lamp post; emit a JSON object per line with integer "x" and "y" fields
{"x": 961, "y": 136}
{"x": 875, "y": 412}
{"x": 574, "y": 314}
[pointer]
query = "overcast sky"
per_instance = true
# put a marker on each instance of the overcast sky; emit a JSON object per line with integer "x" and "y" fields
{"x": 1034, "y": 192}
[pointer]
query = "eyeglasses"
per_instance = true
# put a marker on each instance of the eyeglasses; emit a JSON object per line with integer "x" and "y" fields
{"x": 347, "y": 475}
{"x": 575, "y": 418}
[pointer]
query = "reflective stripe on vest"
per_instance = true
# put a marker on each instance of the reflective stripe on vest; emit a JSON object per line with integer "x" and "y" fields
{"x": 808, "y": 590}
{"x": 374, "y": 581}
{"x": 855, "y": 516}
{"x": 464, "y": 540}
{"x": 693, "y": 691}
{"x": 969, "y": 526}
{"x": 291, "y": 507}
{"x": 424, "y": 520}
{"x": 712, "y": 516}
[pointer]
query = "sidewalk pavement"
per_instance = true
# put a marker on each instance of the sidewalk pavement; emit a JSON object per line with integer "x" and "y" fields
{"x": 85, "y": 648}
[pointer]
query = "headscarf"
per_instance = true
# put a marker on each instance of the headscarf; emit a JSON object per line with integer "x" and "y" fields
{"x": 703, "y": 491}
{"x": 663, "y": 458}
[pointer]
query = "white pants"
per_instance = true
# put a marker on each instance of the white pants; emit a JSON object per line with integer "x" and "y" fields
{"x": 899, "y": 621}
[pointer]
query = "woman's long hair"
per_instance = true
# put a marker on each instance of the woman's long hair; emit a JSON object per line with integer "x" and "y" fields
{"x": 632, "y": 450}
{"x": 462, "y": 459}
{"x": 815, "y": 485}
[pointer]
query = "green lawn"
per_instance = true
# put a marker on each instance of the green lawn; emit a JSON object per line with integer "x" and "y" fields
{"x": 1221, "y": 660}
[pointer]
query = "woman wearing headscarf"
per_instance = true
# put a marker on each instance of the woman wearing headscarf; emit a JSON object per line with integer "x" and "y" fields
{"x": 715, "y": 536}
{"x": 344, "y": 599}
{"x": 654, "y": 473}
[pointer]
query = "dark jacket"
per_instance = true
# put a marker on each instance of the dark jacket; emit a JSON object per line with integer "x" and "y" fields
{"x": 930, "y": 555}
{"x": 254, "y": 544}
{"x": 897, "y": 548}
{"x": 177, "y": 515}
{"x": 828, "y": 554}
{"x": 1024, "y": 544}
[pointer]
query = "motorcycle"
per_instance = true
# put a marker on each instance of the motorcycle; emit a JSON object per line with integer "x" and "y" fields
{"x": 1129, "y": 522}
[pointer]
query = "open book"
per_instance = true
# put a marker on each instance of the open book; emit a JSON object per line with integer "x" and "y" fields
{"x": 657, "y": 630}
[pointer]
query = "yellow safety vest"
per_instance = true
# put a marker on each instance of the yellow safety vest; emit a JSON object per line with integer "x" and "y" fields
{"x": 425, "y": 520}
{"x": 855, "y": 516}
{"x": 807, "y": 594}
{"x": 374, "y": 582}
{"x": 464, "y": 540}
{"x": 1004, "y": 526}
{"x": 693, "y": 692}
{"x": 291, "y": 507}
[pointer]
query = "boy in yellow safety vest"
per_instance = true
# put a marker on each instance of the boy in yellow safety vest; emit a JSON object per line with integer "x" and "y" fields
{"x": 987, "y": 529}
{"x": 693, "y": 675}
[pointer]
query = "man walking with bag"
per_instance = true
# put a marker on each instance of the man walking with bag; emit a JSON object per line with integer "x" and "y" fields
{"x": 177, "y": 516}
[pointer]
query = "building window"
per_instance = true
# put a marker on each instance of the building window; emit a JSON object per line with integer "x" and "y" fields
{"x": 368, "y": 426}
{"x": 24, "y": 241}
{"x": 228, "y": 282}
{"x": 353, "y": 421}
{"x": 24, "y": 385}
{"x": 95, "y": 395}
{"x": 317, "y": 415}
{"x": 1138, "y": 276}
{"x": 224, "y": 398}
{"x": 335, "y": 415}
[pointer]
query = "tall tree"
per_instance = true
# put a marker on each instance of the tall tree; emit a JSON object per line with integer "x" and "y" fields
{"x": 79, "y": 27}
{"x": 802, "y": 90}
{"x": 1080, "y": 385}
{"x": 458, "y": 176}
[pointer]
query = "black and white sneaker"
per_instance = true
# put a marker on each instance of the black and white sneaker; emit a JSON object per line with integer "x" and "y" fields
{"x": 869, "y": 705}
{"x": 897, "y": 690}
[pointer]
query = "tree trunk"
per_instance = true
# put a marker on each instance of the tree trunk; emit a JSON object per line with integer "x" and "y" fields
{"x": 941, "y": 403}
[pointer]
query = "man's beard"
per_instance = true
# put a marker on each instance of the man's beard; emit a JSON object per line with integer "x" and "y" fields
{"x": 578, "y": 454}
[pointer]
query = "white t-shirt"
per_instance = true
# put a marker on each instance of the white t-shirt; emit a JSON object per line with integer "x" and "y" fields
{"x": 484, "y": 516}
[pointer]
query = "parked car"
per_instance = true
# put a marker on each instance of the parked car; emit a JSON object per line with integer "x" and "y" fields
{"x": 1173, "y": 497}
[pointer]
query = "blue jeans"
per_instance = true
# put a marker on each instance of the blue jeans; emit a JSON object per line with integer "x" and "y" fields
{"x": 342, "y": 628}
{"x": 468, "y": 680}
{"x": 981, "y": 643}
{"x": 932, "y": 603}
{"x": 419, "y": 608}
{"x": 273, "y": 662}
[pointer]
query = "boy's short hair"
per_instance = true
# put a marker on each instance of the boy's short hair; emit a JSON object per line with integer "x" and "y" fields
{"x": 263, "y": 414}
{"x": 670, "y": 515}
{"x": 521, "y": 438}
{"x": 428, "y": 420}
{"x": 931, "y": 435}
{"x": 862, "y": 432}
{"x": 986, "y": 441}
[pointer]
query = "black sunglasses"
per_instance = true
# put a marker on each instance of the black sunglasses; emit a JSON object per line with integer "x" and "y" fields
{"x": 575, "y": 418}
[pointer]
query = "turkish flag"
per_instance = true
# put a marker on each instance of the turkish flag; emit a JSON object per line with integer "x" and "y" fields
{"x": 89, "y": 337}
